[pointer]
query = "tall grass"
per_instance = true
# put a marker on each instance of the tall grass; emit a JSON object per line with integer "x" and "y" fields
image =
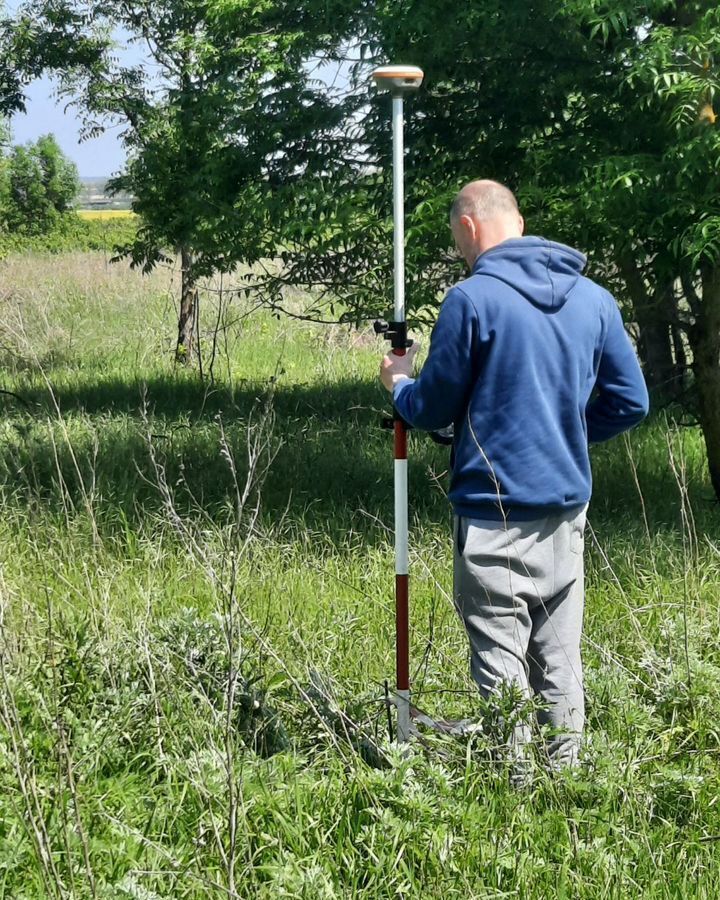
{"x": 183, "y": 562}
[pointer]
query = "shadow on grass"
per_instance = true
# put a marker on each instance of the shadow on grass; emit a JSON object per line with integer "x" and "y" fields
{"x": 332, "y": 475}
{"x": 184, "y": 396}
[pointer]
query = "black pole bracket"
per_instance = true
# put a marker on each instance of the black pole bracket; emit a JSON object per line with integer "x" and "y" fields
{"x": 388, "y": 422}
{"x": 395, "y": 332}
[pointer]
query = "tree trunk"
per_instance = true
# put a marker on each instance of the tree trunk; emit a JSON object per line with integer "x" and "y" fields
{"x": 185, "y": 349}
{"x": 681, "y": 363}
{"x": 655, "y": 349}
{"x": 655, "y": 343}
{"x": 705, "y": 340}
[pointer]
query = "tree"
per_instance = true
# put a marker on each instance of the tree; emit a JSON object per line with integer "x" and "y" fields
{"x": 26, "y": 50}
{"x": 10, "y": 93}
{"x": 634, "y": 171}
{"x": 5, "y": 134}
{"x": 495, "y": 73}
{"x": 602, "y": 117}
{"x": 227, "y": 119}
{"x": 39, "y": 185}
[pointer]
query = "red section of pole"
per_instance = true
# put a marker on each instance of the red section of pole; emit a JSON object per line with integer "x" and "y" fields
{"x": 402, "y": 606}
{"x": 402, "y": 631}
{"x": 400, "y": 433}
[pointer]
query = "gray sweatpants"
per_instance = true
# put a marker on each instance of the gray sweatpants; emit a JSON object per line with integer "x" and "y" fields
{"x": 519, "y": 589}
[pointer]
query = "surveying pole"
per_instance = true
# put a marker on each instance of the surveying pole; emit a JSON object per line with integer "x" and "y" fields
{"x": 399, "y": 80}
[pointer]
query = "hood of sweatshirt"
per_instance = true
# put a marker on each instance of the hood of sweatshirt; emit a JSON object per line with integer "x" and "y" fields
{"x": 544, "y": 272}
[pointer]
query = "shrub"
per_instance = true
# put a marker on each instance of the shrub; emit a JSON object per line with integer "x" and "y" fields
{"x": 72, "y": 233}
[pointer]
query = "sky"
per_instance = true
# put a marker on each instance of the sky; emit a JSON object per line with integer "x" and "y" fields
{"x": 97, "y": 157}
{"x": 100, "y": 156}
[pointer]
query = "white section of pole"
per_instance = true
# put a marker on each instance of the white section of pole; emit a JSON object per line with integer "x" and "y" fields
{"x": 401, "y": 517}
{"x": 402, "y": 702}
{"x": 398, "y": 206}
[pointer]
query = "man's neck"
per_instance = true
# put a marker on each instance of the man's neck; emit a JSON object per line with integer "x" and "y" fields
{"x": 488, "y": 245}
{"x": 498, "y": 238}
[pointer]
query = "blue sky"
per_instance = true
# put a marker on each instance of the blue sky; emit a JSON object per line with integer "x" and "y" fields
{"x": 103, "y": 155}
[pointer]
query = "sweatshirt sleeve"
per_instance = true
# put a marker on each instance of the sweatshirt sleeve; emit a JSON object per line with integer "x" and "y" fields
{"x": 440, "y": 394}
{"x": 622, "y": 398}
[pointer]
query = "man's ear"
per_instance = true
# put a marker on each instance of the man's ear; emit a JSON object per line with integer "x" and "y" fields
{"x": 469, "y": 226}
{"x": 522, "y": 225}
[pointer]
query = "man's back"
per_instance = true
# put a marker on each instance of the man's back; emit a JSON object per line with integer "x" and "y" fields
{"x": 516, "y": 353}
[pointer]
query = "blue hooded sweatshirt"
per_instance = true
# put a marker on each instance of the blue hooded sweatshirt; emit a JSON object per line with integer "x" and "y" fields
{"x": 530, "y": 361}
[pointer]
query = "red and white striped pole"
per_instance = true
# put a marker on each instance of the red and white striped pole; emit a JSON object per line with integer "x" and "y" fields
{"x": 399, "y": 80}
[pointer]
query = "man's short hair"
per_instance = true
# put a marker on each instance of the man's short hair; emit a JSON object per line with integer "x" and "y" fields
{"x": 484, "y": 200}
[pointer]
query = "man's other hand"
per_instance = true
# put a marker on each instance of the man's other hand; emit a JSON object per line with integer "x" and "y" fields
{"x": 394, "y": 369}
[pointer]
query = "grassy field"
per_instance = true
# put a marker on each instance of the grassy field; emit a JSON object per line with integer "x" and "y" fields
{"x": 163, "y": 626}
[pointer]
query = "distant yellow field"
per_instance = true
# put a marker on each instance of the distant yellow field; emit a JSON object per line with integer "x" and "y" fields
{"x": 105, "y": 214}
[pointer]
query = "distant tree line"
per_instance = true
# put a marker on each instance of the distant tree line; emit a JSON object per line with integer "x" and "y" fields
{"x": 601, "y": 116}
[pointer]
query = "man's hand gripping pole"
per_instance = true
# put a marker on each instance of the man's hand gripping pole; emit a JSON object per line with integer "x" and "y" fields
{"x": 396, "y": 333}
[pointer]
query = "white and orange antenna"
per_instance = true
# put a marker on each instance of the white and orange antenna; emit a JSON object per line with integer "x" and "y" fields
{"x": 398, "y": 79}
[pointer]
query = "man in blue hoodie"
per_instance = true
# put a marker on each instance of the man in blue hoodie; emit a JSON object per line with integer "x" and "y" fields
{"x": 530, "y": 362}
